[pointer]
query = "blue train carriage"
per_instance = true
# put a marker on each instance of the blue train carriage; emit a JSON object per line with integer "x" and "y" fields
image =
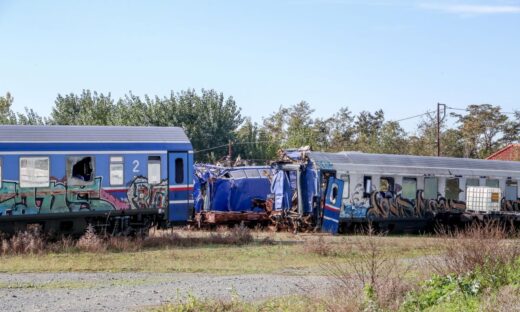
{"x": 119, "y": 179}
{"x": 398, "y": 192}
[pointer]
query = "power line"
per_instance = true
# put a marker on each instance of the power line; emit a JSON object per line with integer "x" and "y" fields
{"x": 225, "y": 145}
{"x": 465, "y": 109}
{"x": 411, "y": 117}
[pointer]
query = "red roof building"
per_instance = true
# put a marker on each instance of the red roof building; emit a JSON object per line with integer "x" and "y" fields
{"x": 510, "y": 152}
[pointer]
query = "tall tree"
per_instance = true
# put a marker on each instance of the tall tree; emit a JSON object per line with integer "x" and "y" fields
{"x": 7, "y": 116}
{"x": 300, "y": 125}
{"x": 88, "y": 108}
{"x": 480, "y": 129}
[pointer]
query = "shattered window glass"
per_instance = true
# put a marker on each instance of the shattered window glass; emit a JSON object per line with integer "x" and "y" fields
{"x": 452, "y": 189}
{"x": 80, "y": 169}
{"x": 34, "y": 171}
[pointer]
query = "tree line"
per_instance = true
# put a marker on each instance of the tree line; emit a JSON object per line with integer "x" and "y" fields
{"x": 212, "y": 120}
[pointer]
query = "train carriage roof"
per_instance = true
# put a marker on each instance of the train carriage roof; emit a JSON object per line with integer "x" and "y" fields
{"x": 414, "y": 165}
{"x": 91, "y": 134}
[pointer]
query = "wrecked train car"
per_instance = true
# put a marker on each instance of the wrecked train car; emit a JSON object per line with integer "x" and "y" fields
{"x": 227, "y": 195}
{"x": 338, "y": 191}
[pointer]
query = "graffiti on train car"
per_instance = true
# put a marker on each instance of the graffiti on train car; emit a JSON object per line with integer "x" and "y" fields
{"x": 379, "y": 204}
{"x": 60, "y": 197}
{"x": 143, "y": 195}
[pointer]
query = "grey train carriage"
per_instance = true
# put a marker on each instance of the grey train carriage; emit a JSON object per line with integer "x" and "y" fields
{"x": 398, "y": 193}
{"x": 119, "y": 179}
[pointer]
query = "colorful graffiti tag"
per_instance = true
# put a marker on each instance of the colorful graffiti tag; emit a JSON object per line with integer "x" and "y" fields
{"x": 143, "y": 195}
{"x": 60, "y": 197}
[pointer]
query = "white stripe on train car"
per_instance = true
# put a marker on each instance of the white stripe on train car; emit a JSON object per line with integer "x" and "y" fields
{"x": 181, "y": 201}
{"x": 330, "y": 219}
{"x": 327, "y": 206}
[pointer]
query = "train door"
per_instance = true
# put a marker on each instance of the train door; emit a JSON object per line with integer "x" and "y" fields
{"x": 332, "y": 205}
{"x": 179, "y": 187}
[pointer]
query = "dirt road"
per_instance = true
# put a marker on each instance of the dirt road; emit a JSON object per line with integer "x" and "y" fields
{"x": 137, "y": 291}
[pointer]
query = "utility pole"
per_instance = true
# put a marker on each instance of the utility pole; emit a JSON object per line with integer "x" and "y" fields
{"x": 439, "y": 120}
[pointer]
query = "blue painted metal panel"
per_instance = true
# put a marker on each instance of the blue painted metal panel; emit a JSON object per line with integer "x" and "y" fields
{"x": 178, "y": 209}
{"x": 332, "y": 206}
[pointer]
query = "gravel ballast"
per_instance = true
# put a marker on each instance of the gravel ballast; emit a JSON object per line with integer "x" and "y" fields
{"x": 136, "y": 291}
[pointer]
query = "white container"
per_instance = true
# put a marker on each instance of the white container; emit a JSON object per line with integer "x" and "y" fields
{"x": 483, "y": 198}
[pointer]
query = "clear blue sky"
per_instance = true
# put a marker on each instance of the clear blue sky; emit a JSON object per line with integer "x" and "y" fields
{"x": 401, "y": 56}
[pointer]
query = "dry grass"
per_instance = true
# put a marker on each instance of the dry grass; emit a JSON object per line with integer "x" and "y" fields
{"x": 486, "y": 246}
{"x": 369, "y": 278}
{"x": 34, "y": 242}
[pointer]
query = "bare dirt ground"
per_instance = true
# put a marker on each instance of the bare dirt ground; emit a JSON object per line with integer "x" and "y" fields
{"x": 138, "y": 291}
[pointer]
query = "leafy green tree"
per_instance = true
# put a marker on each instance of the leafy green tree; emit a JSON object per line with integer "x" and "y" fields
{"x": 480, "y": 129}
{"x": 392, "y": 139}
{"x": 30, "y": 118}
{"x": 88, "y": 108}
{"x": 7, "y": 116}
{"x": 342, "y": 130}
{"x": 300, "y": 125}
{"x": 367, "y": 130}
{"x": 511, "y": 130}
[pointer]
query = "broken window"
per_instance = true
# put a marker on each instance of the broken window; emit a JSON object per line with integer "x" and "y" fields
{"x": 34, "y": 171}
{"x": 334, "y": 193}
{"x": 409, "y": 188}
{"x": 154, "y": 169}
{"x": 116, "y": 170}
{"x": 80, "y": 169}
{"x": 179, "y": 170}
{"x": 452, "y": 189}
{"x": 431, "y": 187}
{"x": 367, "y": 184}
{"x": 386, "y": 184}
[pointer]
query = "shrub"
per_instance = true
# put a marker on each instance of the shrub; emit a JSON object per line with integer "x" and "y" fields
{"x": 91, "y": 242}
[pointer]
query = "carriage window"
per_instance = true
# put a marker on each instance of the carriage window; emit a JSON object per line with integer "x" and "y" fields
{"x": 430, "y": 188}
{"x": 34, "y": 171}
{"x": 0, "y": 173}
{"x": 492, "y": 182}
{"x": 472, "y": 182}
{"x": 386, "y": 184}
{"x": 511, "y": 190}
{"x": 367, "y": 183}
{"x": 179, "y": 170}
{"x": 346, "y": 185}
{"x": 154, "y": 169}
{"x": 409, "y": 188}
{"x": 116, "y": 170}
{"x": 452, "y": 189}
{"x": 333, "y": 194}
{"x": 80, "y": 169}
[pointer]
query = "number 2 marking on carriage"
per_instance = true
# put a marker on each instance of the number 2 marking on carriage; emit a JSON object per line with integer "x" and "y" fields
{"x": 136, "y": 166}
